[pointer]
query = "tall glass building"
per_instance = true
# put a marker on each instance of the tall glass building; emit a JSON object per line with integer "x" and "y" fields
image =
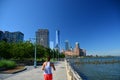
{"x": 1, "y": 35}
{"x": 12, "y": 36}
{"x": 17, "y": 36}
{"x": 67, "y": 45}
{"x": 57, "y": 45}
{"x": 42, "y": 37}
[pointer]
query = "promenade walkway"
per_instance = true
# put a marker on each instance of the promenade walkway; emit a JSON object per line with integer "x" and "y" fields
{"x": 37, "y": 73}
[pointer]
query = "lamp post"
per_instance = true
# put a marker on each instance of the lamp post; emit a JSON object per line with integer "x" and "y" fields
{"x": 35, "y": 62}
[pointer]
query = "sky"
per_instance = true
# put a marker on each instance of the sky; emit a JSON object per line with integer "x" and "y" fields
{"x": 95, "y": 24}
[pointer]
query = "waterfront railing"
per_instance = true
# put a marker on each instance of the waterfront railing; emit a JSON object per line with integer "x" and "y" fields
{"x": 71, "y": 73}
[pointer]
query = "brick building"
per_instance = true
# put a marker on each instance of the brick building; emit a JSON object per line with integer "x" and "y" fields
{"x": 77, "y": 51}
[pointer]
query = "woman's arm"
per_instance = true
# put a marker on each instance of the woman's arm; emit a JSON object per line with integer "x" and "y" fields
{"x": 43, "y": 66}
{"x": 53, "y": 66}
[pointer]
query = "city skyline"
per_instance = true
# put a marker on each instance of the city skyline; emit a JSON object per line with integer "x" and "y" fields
{"x": 95, "y": 24}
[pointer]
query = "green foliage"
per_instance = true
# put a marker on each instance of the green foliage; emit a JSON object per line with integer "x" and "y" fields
{"x": 62, "y": 55}
{"x": 26, "y": 50}
{"x": 7, "y": 64}
{"x": 4, "y": 50}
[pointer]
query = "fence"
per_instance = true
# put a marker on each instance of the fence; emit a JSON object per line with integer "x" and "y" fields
{"x": 71, "y": 74}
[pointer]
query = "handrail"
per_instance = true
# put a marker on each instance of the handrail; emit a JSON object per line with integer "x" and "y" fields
{"x": 71, "y": 73}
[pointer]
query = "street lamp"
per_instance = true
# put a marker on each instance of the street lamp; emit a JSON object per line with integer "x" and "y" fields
{"x": 35, "y": 62}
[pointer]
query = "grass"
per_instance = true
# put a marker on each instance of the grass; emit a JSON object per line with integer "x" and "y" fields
{"x": 7, "y": 64}
{"x": 10, "y": 67}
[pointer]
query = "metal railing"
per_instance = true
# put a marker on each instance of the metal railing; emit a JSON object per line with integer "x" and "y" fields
{"x": 71, "y": 74}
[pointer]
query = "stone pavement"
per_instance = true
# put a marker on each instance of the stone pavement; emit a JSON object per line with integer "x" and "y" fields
{"x": 37, "y": 73}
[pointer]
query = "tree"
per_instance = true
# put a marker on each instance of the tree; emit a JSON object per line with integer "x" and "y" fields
{"x": 4, "y": 50}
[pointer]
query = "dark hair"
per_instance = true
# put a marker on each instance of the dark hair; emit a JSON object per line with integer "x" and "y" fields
{"x": 48, "y": 58}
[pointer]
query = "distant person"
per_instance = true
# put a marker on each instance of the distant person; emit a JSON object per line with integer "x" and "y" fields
{"x": 47, "y": 67}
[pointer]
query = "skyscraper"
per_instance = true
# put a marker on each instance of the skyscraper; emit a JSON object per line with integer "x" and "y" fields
{"x": 1, "y": 35}
{"x": 57, "y": 40}
{"x": 42, "y": 37}
{"x": 67, "y": 45}
{"x": 14, "y": 36}
{"x": 17, "y": 36}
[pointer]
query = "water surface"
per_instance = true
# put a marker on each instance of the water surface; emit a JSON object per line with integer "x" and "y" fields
{"x": 101, "y": 71}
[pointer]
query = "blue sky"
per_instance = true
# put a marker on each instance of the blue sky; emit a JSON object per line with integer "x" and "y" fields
{"x": 95, "y": 24}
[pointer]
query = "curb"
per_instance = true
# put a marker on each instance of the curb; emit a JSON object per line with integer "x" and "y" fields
{"x": 3, "y": 72}
{"x": 20, "y": 70}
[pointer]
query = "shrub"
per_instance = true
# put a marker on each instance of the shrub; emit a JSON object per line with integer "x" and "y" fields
{"x": 7, "y": 64}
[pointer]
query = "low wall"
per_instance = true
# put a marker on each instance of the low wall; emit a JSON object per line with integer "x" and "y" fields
{"x": 71, "y": 74}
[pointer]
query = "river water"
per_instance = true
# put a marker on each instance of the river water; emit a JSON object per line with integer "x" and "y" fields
{"x": 104, "y": 69}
